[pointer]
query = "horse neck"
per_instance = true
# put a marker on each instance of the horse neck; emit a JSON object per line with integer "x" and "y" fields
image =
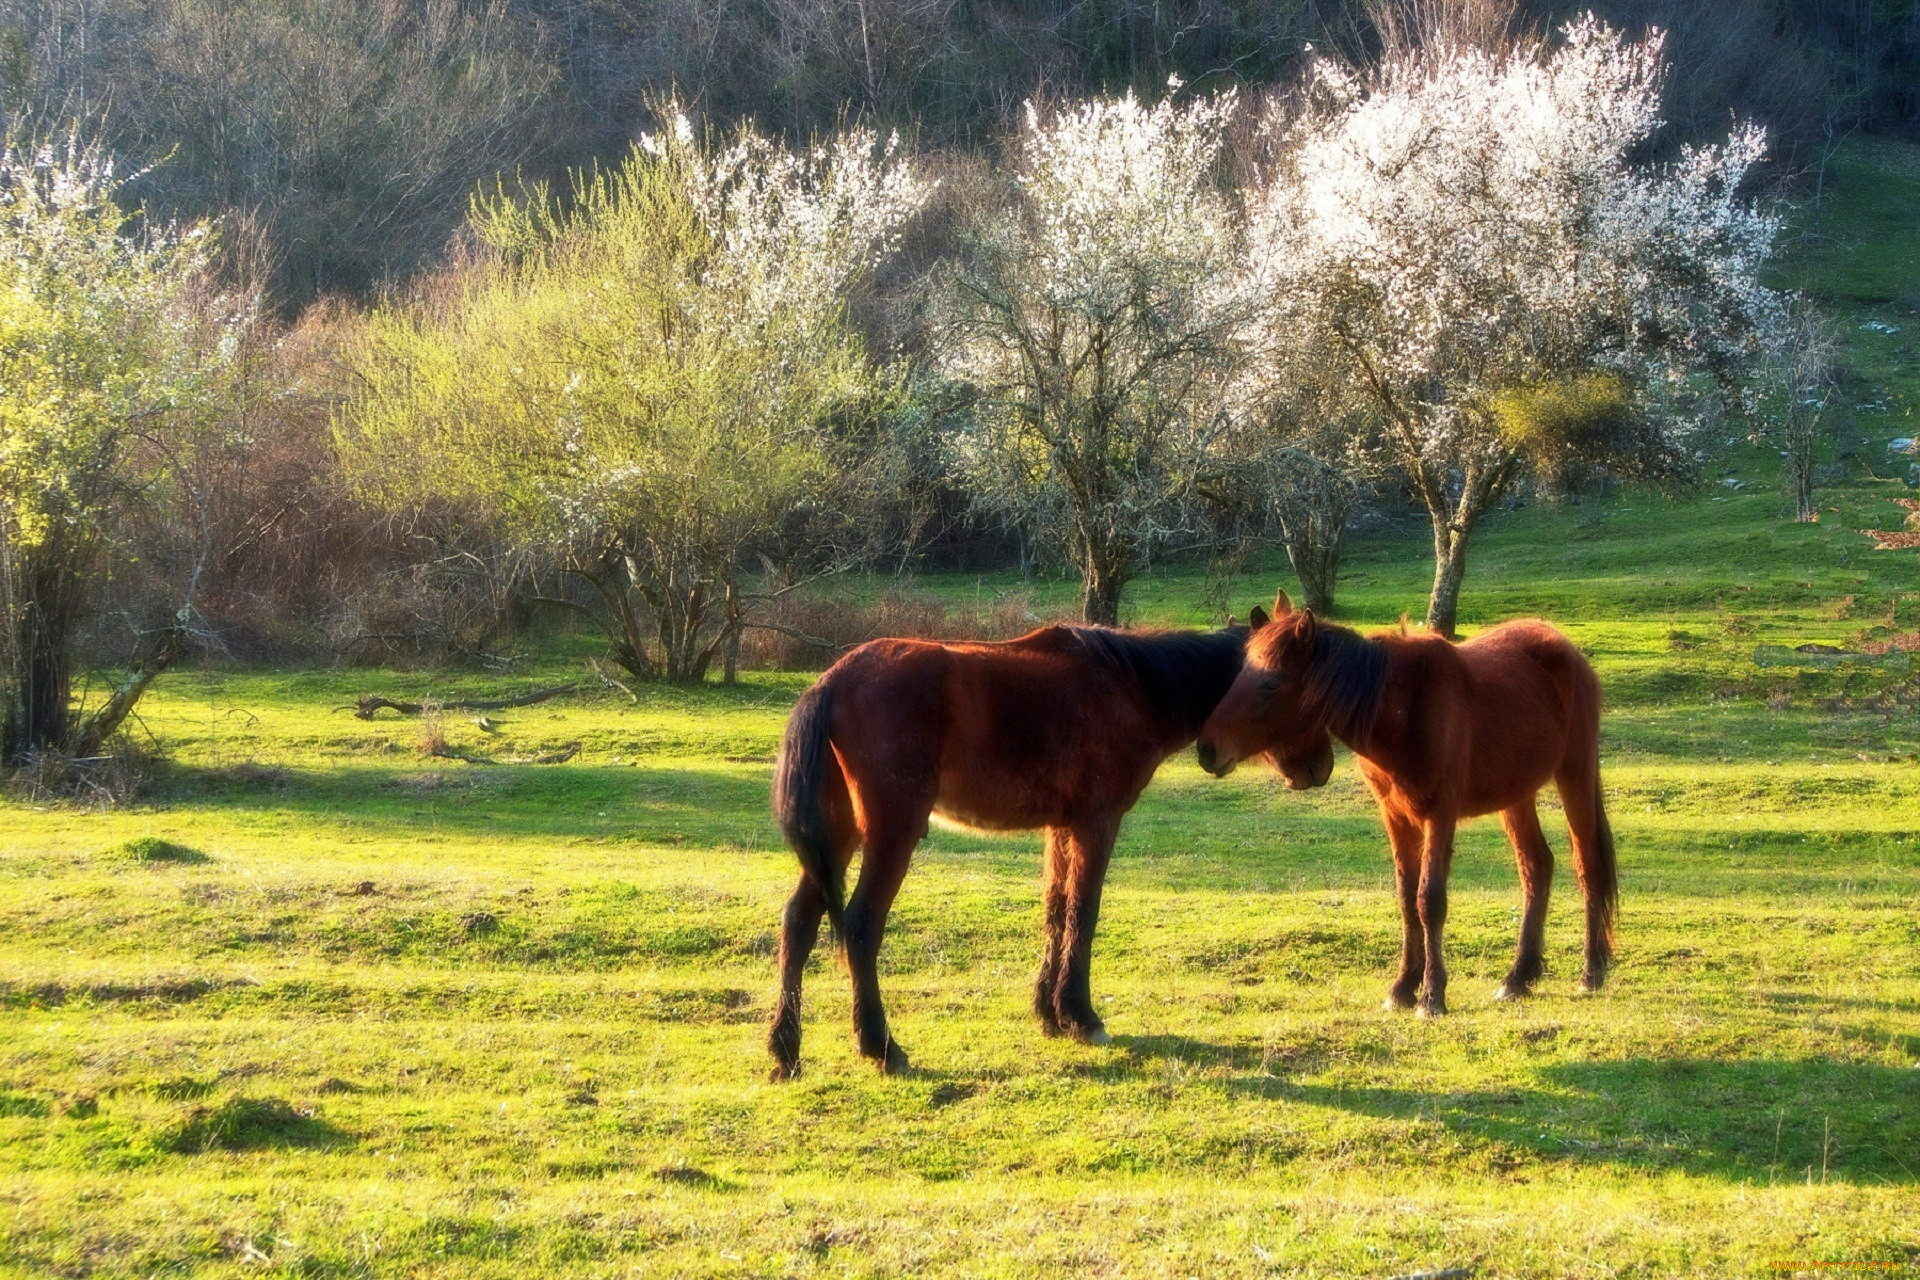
{"x": 1368, "y": 738}
{"x": 1184, "y": 723}
{"x": 1180, "y": 702}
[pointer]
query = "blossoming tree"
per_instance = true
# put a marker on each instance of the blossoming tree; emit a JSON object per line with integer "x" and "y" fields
{"x": 1095, "y": 323}
{"x": 1506, "y": 280}
{"x": 113, "y": 348}
{"x": 655, "y": 382}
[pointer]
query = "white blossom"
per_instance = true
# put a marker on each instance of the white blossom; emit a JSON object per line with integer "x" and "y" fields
{"x": 793, "y": 230}
{"x": 1096, "y": 318}
{"x": 1468, "y": 223}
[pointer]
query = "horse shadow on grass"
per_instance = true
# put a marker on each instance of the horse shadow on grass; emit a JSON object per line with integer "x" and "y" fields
{"x": 1762, "y": 1120}
{"x": 1189, "y": 1051}
{"x": 1759, "y": 1120}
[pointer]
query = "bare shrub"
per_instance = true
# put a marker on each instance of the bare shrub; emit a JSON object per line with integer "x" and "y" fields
{"x": 452, "y": 608}
{"x": 109, "y": 781}
{"x": 292, "y": 542}
{"x": 433, "y": 730}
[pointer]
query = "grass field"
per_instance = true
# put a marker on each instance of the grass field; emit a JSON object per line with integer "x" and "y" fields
{"x": 320, "y": 1005}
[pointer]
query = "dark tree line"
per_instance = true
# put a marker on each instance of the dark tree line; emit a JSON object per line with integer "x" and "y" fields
{"x": 345, "y": 138}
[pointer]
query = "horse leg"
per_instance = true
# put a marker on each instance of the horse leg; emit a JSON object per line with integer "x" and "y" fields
{"x": 799, "y": 927}
{"x": 1522, "y": 822}
{"x": 1058, "y": 856}
{"x": 1404, "y": 833}
{"x": 1593, "y": 864}
{"x": 1433, "y": 911}
{"x": 882, "y": 867}
{"x": 1090, "y": 846}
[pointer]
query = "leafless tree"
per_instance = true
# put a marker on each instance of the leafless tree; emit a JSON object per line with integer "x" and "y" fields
{"x": 1807, "y": 382}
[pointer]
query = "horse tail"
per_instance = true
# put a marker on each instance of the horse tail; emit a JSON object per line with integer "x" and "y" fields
{"x": 1594, "y": 861}
{"x": 1595, "y": 866}
{"x": 800, "y": 778}
{"x": 1598, "y": 870}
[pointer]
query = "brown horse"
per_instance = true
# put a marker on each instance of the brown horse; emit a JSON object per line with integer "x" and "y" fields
{"x": 1442, "y": 732}
{"x": 1061, "y": 729}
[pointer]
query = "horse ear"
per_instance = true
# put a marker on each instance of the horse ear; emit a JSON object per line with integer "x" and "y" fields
{"x": 1281, "y": 605}
{"x": 1304, "y": 628}
{"x": 1258, "y": 618}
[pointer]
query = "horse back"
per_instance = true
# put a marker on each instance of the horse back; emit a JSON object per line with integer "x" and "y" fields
{"x": 1529, "y": 658}
{"x": 1522, "y": 703}
{"x": 1001, "y": 735}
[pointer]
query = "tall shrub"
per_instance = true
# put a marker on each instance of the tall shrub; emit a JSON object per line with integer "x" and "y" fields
{"x": 654, "y": 381}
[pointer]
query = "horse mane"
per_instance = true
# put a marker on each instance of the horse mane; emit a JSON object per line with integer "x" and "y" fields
{"x": 1182, "y": 674}
{"x": 1345, "y": 677}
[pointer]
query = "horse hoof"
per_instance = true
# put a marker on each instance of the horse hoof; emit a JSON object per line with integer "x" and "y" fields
{"x": 783, "y": 1072}
{"x": 1511, "y": 991}
{"x": 895, "y": 1063}
{"x": 1590, "y": 986}
{"x": 1431, "y": 1011}
{"x": 1094, "y": 1035}
{"x": 1395, "y": 1003}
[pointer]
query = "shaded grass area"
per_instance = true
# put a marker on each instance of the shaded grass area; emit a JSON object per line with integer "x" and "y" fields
{"x": 322, "y": 1005}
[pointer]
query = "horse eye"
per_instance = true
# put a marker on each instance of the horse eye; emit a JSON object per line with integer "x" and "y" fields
{"x": 1271, "y": 683}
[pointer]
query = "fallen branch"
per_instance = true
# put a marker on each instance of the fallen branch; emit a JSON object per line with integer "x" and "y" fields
{"x": 611, "y": 683}
{"x": 444, "y": 752}
{"x": 370, "y": 704}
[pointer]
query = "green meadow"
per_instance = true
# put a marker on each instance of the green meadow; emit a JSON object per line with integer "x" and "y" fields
{"x": 320, "y": 1004}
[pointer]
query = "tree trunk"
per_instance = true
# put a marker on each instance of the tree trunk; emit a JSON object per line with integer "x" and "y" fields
{"x": 1106, "y": 565}
{"x": 1799, "y": 475}
{"x": 682, "y": 605}
{"x": 45, "y": 604}
{"x": 44, "y": 608}
{"x": 1317, "y": 565}
{"x": 731, "y": 640}
{"x": 1449, "y": 569}
{"x": 38, "y": 715}
{"x": 1803, "y": 508}
{"x": 92, "y": 733}
{"x": 627, "y": 644}
{"x": 1100, "y": 597}
{"x": 1312, "y": 506}
{"x": 1483, "y": 482}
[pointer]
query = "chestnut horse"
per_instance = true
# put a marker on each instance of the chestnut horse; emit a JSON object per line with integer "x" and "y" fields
{"x": 1442, "y": 732}
{"x": 1060, "y": 729}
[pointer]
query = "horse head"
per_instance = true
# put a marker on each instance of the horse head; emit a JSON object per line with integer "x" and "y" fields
{"x": 1267, "y": 710}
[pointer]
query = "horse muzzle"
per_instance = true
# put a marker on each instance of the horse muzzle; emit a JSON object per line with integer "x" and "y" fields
{"x": 1213, "y": 761}
{"x": 1316, "y": 774}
